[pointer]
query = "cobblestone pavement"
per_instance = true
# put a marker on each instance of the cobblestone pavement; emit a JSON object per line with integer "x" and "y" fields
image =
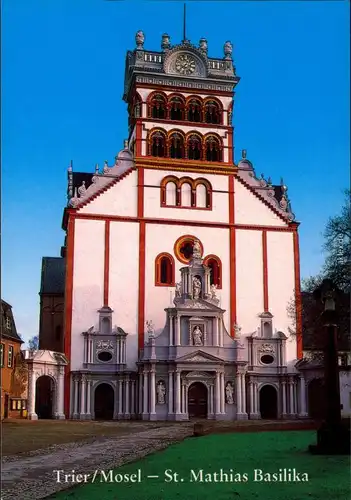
{"x": 32, "y": 477}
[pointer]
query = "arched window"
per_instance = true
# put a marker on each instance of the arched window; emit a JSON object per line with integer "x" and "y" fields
{"x": 212, "y": 112}
{"x": 158, "y": 106}
{"x": 194, "y": 147}
{"x": 201, "y": 196}
{"x": 164, "y": 270}
{"x": 176, "y": 148}
{"x": 185, "y": 195}
{"x": 158, "y": 144}
{"x": 213, "y": 149}
{"x": 215, "y": 265}
{"x": 171, "y": 194}
{"x": 176, "y": 111}
{"x": 194, "y": 111}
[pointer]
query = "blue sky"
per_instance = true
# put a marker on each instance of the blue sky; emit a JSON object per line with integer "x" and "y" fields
{"x": 62, "y": 84}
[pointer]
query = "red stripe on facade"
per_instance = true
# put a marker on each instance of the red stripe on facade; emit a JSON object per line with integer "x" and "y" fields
{"x": 107, "y": 263}
{"x": 265, "y": 271}
{"x": 232, "y": 253}
{"x": 141, "y": 297}
{"x": 68, "y": 309}
{"x": 298, "y": 302}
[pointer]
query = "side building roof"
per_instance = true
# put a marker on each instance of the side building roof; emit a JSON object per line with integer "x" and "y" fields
{"x": 52, "y": 276}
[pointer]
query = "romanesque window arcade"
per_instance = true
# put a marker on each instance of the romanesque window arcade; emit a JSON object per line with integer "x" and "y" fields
{"x": 185, "y": 192}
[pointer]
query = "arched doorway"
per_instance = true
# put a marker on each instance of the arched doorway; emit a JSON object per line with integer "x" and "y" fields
{"x": 44, "y": 397}
{"x": 268, "y": 402}
{"x": 104, "y": 402}
{"x": 197, "y": 400}
{"x": 316, "y": 399}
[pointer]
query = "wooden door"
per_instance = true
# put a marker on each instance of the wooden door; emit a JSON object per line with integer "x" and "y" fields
{"x": 197, "y": 400}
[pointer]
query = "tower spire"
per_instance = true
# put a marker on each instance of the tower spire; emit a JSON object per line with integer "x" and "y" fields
{"x": 184, "y": 24}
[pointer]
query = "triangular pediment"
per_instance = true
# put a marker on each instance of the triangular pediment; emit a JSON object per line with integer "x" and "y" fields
{"x": 199, "y": 305}
{"x": 198, "y": 357}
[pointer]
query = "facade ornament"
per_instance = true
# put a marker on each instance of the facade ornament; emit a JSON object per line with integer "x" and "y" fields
{"x": 243, "y": 154}
{"x": 196, "y": 287}
{"x": 203, "y": 45}
{"x": 262, "y": 180}
{"x": 267, "y": 348}
{"x": 91, "y": 330}
{"x": 150, "y": 329}
{"x": 161, "y": 393}
{"x": 70, "y": 182}
{"x": 230, "y": 117}
{"x": 104, "y": 344}
{"x": 82, "y": 190}
{"x": 166, "y": 42}
{"x": 196, "y": 250}
{"x": 139, "y": 39}
{"x": 237, "y": 331}
{"x": 228, "y": 50}
{"x": 106, "y": 169}
{"x": 125, "y": 143}
{"x": 97, "y": 169}
{"x": 197, "y": 336}
{"x": 213, "y": 290}
{"x": 229, "y": 392}
{"x": 178, "y": 289}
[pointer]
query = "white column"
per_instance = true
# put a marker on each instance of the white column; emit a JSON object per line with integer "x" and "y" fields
{"x": 183, "y": 398}
{"x": 152, "y": 391}
{"x": 88, "y": 349}
{"x": 31, "y": 398}
{"x": 243, "y": 385}
{"x": 291, "y": 387}
{"x": 220, "y": 332}
{"x": 124, "y": 351}
{"x": 222, "y": 393}
{"x": 146, "y": 393}
{"x": 89, "y": 397}
{"x": 215, "y": 332}
{"x": 82, "y": 397}
{"x": 303, "y": 412}
{"x": 120, "y": 397}
{"x": 85, "y": 349}
{"x": 218, "y": 395}
{"x": 252, "y": 408}
{"x": 132, "y": 403}
{"x": 211, "y": 399}
{"x": 60, "y": 393}
{"x": 177, "y": 340}
{"x": 284, "y": 397}
{"x": 75, "y": 408}
{"x": 140, "y": 394}
{"x": 171, "y": 330}
{"x": 256, "y": 398}
{"x": 170, "y": 392}
{"x": 177, "y": 392}
{"x": 127, "y": 409}
{"x": 238, "y": 393}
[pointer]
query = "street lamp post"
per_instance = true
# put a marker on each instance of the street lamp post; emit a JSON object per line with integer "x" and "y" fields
{"x": 333, "y": 438}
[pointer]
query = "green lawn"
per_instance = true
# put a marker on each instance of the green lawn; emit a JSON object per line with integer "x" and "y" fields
{"x": 243, "y": 453}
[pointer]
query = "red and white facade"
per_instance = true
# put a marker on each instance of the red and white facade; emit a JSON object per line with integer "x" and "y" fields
{"x": 130, "y": 231}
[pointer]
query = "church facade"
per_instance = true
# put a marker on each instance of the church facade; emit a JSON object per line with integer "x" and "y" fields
{"x": 180, "y": 263}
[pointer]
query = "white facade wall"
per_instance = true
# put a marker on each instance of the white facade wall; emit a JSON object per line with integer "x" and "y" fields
{"x": 161, "y": 238}
{"x": 249, "y": 279}
{"x": 88, "y": 283}
{"x": 281, "y": 283}
{"x": 123, "y": 282}
{"x": 120, "y": 199}
{"x": 152, "y": 198}
{"x": 250, "y": 210}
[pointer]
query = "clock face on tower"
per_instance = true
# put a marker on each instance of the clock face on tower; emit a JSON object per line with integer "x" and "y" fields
{"x": 185, "y": 64}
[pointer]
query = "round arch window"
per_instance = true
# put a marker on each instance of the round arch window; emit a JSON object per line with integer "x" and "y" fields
{"x": 104, "y": 356}
{"x": 267, "y": 359}
{"x": 183, "y": 248}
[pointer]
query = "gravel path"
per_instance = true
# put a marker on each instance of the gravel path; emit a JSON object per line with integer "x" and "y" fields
{"x": 32, "y": 477}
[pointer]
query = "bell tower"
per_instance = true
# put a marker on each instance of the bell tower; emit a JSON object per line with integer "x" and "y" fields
{"x": 180, "y": 105}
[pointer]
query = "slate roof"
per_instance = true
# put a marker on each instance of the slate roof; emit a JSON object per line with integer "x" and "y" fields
{"x": 52, "y": 276}
{"x": 6, "y": 312}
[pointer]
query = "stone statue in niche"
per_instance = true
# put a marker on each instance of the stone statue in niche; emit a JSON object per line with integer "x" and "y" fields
{"x": 229, "y": 392}
{"x": 237, "y": 331}
{"x": 197, "y": 336}
{"x": 196, "y": 287}
{"x": 197, "y": 250}
{"x": 213, "y": 290}
{"x": 178, "y": 289}
{"x": 161, "y": 393}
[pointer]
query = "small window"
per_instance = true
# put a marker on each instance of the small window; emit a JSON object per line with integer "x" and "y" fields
{"x": 104, "y": 356}
{"x": 10, "y": 357}
{"x": 8, "y": 323}
{"x": 18, "y": 404}
{"x": 2, "y": 354}
{"x": 267, "y": 359}
{"x": 164, "y": 270}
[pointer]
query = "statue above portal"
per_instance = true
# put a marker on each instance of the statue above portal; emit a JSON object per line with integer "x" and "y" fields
{"x": 197, "y": 336}
{"x": 197, "y": 250}
{"x": 196, "y": 287}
